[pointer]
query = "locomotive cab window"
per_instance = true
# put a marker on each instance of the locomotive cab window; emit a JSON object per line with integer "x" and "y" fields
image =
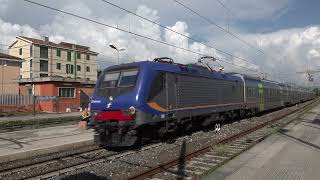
{"x": 119, "y": 79}
{"x": 128, "y": 78}
{"x": 110, "y": 80}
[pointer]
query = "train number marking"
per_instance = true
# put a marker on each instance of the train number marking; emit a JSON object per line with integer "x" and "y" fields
{"x": 217, "y": 128}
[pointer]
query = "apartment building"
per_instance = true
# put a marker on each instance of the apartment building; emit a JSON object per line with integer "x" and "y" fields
{"x": 9, "y": 74}
{"x": 44, "y": 58}
{"x": 65, "y": 73}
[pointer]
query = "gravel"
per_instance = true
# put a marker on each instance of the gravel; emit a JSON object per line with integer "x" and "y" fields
{"x": 140, "y": 161}
{"x": 131, "y": 163}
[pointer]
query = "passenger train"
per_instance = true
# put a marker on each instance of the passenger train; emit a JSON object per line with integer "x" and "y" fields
{"x": 147, "y": 99}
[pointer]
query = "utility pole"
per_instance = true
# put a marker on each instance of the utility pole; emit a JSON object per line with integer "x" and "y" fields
{"x": 75, "y": 62}
{"x": 2, "y": 78}
{"x": 310, "y": 73}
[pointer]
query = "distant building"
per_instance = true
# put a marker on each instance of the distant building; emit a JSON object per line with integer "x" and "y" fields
{"x": 66, "y": 71}
{"x": 45, "y": 58}
{"x": 9, "y": 74}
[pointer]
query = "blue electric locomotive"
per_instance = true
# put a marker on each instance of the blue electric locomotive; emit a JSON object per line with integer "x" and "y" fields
{"x": 143, "y": 100}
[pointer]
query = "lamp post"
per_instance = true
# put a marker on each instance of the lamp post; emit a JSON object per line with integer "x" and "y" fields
{"x": 117, "y": 49}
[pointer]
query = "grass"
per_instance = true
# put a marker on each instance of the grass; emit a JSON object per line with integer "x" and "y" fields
{"x": 37, "y": 123}
{"x": 220, "y": 149}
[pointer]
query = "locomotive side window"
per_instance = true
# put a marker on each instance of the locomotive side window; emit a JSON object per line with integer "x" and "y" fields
{"x": 158, "y": 86}
{"x": 110, "y": 80}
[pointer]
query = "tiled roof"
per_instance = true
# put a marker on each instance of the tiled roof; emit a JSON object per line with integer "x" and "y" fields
{"x": 9, "y": 57}
{"x": 63, "y": 45}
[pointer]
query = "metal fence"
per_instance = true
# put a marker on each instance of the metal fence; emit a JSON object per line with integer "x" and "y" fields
{"x": 16, "y": 100}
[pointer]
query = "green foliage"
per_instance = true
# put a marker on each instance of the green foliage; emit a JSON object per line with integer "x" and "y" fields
{"x": 317, "y": 91}
{"x": 220, "y": 149}
{"x": 37, "y": 123}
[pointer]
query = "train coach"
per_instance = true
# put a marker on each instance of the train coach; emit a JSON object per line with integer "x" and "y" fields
{"x": 143, "y": 100}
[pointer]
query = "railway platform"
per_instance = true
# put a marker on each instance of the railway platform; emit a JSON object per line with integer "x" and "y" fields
{"x": 292, "y": 153}
{"x": 40, "y": 117}
{"x": 28, "y": 121}
{"x": 28, "y": 143}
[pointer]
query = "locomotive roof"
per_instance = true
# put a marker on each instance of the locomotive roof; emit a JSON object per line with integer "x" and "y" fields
{"x": 175, "y": 68}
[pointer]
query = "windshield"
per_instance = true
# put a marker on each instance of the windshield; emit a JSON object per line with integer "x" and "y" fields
{"x": 128, "y": 78}
{"x": 110, "y": 80}
{"x": 119, "y": 79}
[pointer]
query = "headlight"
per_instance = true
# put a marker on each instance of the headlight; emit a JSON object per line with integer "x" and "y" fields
{"x": 132, "y": 110}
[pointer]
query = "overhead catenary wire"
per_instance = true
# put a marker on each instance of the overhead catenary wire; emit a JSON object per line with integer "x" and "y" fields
{"x": 126, "y": 31}
{"x": 181, "y": 34}
{"x": 59, "y": 60}
{"x": 227, "y": 31}
{"x": 238, "y": 19}
{"x": 220, "y": 27}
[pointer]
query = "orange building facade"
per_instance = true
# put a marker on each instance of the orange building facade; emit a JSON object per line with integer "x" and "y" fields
{"x": 56, "y": 94}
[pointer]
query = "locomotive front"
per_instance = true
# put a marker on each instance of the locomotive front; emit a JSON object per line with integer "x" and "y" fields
{"x": 118, "y": 103}
{"x": 114, "y": 105}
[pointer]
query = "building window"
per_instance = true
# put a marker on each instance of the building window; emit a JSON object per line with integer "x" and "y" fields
{"x": 30, "y": 64}
{"x": 69, "y": 56}
{"x": 20, "y": 51}
{"x": 44, "y": 65}
{"x": 78, "y": 68}
{"x": 43, "y": 75}
{"x": 44, "y": 52}
{"x": 31, "y": 74}
{"x": 59, "y": 52}
{"x": 31, "y": 51}
{"x": 20, "y": 64}
{"x": 88, "y": 57}
{"x": 67, "y": 92}
{"x": 30, "y": 91}
{"x": 78, "y": 56}
{"x": 59, "y": 66}
{"x": 88, "y": 69}
{"x": 69, "y": 69}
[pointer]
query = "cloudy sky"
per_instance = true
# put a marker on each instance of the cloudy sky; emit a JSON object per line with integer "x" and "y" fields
{"x": 281, "y": 36}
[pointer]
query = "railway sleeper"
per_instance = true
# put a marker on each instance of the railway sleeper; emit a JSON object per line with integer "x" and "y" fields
{"x": 188, "y": 172}
{"x": 208, "y": 160}
{"x": 190, "y": 165}
{"x": 167, "y": 175}
{"x": 197, "y": 161}
{"x": 214, "y": 155}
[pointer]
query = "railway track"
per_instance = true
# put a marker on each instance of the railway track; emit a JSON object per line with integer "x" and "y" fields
{"x": 187, "y": 166}
{"x": 200, "y": 162}
{"x": 47, "y": 168}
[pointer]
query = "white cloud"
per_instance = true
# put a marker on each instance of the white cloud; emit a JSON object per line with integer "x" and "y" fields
{"x": 298, "y": 46}
{"x": 314, "y": 53}
{"x": 9, "y": 31}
